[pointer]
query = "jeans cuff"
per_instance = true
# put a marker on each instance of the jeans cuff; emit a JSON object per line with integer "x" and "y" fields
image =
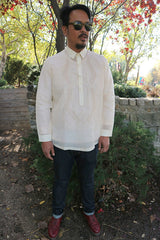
{"x": 89, "y": 214}
{"x": 57, "y": 216}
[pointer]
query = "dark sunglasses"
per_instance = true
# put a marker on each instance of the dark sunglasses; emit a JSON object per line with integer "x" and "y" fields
{"x": 78, "y": 25}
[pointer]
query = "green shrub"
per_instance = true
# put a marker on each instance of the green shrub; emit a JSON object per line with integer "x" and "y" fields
{"x": 32, "y": 78}
{"x": 18, "y": 72}
{"x": 3, "y": 82}
{"x": 121, "y": 172}
{"x": 43, "y": 165}
{"x": 126, "y": 165}
{"x": 7, "y": 86}
{"x": 128, "y": 91}
{"x": 117, "y": 77}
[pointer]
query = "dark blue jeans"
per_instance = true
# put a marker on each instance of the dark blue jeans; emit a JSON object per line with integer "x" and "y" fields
{"x": 63, "y": 163}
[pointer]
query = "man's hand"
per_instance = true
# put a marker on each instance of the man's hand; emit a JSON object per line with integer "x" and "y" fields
{"x": 103, "y": 144}
{"x": 48, "y": 149}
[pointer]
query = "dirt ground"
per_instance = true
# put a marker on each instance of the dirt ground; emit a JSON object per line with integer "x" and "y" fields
{"x": 26, "y": 204}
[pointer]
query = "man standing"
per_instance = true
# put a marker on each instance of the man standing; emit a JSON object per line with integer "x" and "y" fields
{"x": 75, "y": 113}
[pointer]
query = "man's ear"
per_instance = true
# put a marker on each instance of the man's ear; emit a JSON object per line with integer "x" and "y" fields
{"x": 64, "y": 30}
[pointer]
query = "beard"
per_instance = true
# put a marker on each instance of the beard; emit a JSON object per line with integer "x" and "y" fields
{"x": 80, "y": 46}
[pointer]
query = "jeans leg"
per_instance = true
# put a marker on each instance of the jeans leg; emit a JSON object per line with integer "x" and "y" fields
{"x": 63, "y": 162}
{"x": 86, "y": 164}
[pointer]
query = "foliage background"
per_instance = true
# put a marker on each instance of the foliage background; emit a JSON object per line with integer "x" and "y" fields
{"x": 124, "y": 31}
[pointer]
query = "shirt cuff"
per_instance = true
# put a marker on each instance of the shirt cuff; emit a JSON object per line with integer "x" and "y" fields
{"x": 45, "y": 138}
{"x": 106, "y": 133}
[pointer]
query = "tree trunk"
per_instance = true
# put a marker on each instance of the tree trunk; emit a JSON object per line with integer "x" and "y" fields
{"x": 137, "y": 75}
{"x": 60, "y": 39}
{"x": 3, "y": 57}
{"x": 33, "y": 37}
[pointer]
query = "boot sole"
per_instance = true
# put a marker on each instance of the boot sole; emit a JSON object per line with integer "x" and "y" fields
{"x": 95, "y": 234}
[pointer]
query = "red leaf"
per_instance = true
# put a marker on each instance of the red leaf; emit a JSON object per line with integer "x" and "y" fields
{"x": 100, "y": 210}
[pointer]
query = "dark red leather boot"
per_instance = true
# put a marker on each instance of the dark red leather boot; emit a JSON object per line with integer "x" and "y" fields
{"x": 93, "y": 224}
{"x": 53, "y": 227}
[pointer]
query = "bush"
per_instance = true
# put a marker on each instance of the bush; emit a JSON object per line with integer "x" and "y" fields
{"x": 43, "y": 165}
{"x": 17, "y": 72}
{"x": 152, "y": 91}
{"x": 32, "y": 78}
{"x": 7, "y": 86}
{"x": 117, "y": 77}
{"x": 128, "y": 91}
{"x": 3, "y": 82}
{"x": 121, "y": 172}
{"x": 127, "y": 163}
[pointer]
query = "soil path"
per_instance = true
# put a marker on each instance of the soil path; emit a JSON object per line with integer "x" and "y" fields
{"x": 25, "y": 205}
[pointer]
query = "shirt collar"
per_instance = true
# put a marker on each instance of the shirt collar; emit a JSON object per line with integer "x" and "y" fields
{"x": 72, "y": 54}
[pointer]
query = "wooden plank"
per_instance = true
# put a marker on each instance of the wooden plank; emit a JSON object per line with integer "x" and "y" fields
{"x": 14, "y": 112}
{"x": 13, "y": 109}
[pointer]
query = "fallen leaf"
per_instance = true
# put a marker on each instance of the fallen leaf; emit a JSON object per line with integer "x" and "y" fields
{"x": 122, "y": 209}
{"x": 24, "y": 159}
{"x": 61, "y": 233}
{"x": 131, "y": 198}
{"x": 42, "y": 225}
{"x": 135, "y": 222}
{"x": 72, "y": 209}
{"x": 152, "y": 218}
{"x": 16, "y": 148}
{"x": 14, "y": 164}
{"x": 119, "y": 173}
{"x": 29, "y": 188}
{"x": 36, "y": 236}
{"x": 42, "y": 202}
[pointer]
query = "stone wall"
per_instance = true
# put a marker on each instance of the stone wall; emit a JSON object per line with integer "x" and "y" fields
{"x": 146, "y": 110}
{"x": 32, "y": 109}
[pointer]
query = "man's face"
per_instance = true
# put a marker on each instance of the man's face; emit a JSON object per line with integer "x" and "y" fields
{"x": 77, "y": 39}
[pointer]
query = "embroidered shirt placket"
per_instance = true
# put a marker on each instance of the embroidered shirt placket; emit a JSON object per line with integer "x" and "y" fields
{"x": 80, "y": 80}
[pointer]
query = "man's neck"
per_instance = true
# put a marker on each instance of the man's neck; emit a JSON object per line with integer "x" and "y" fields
{"x": 76, "y": 49}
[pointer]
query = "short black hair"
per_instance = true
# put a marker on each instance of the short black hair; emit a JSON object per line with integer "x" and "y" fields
{"x": 65, "y": 12}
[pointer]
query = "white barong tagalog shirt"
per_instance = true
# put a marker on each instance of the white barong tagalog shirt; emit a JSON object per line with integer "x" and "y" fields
{"x": 75, "y": 100}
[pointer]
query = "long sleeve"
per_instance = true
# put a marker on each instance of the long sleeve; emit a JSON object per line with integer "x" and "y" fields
{"x": 44, "y": 103}
{"x": 108, "y": 103}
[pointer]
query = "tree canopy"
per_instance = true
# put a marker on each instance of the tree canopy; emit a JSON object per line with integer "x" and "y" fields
{"x": 31, "y": 30}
